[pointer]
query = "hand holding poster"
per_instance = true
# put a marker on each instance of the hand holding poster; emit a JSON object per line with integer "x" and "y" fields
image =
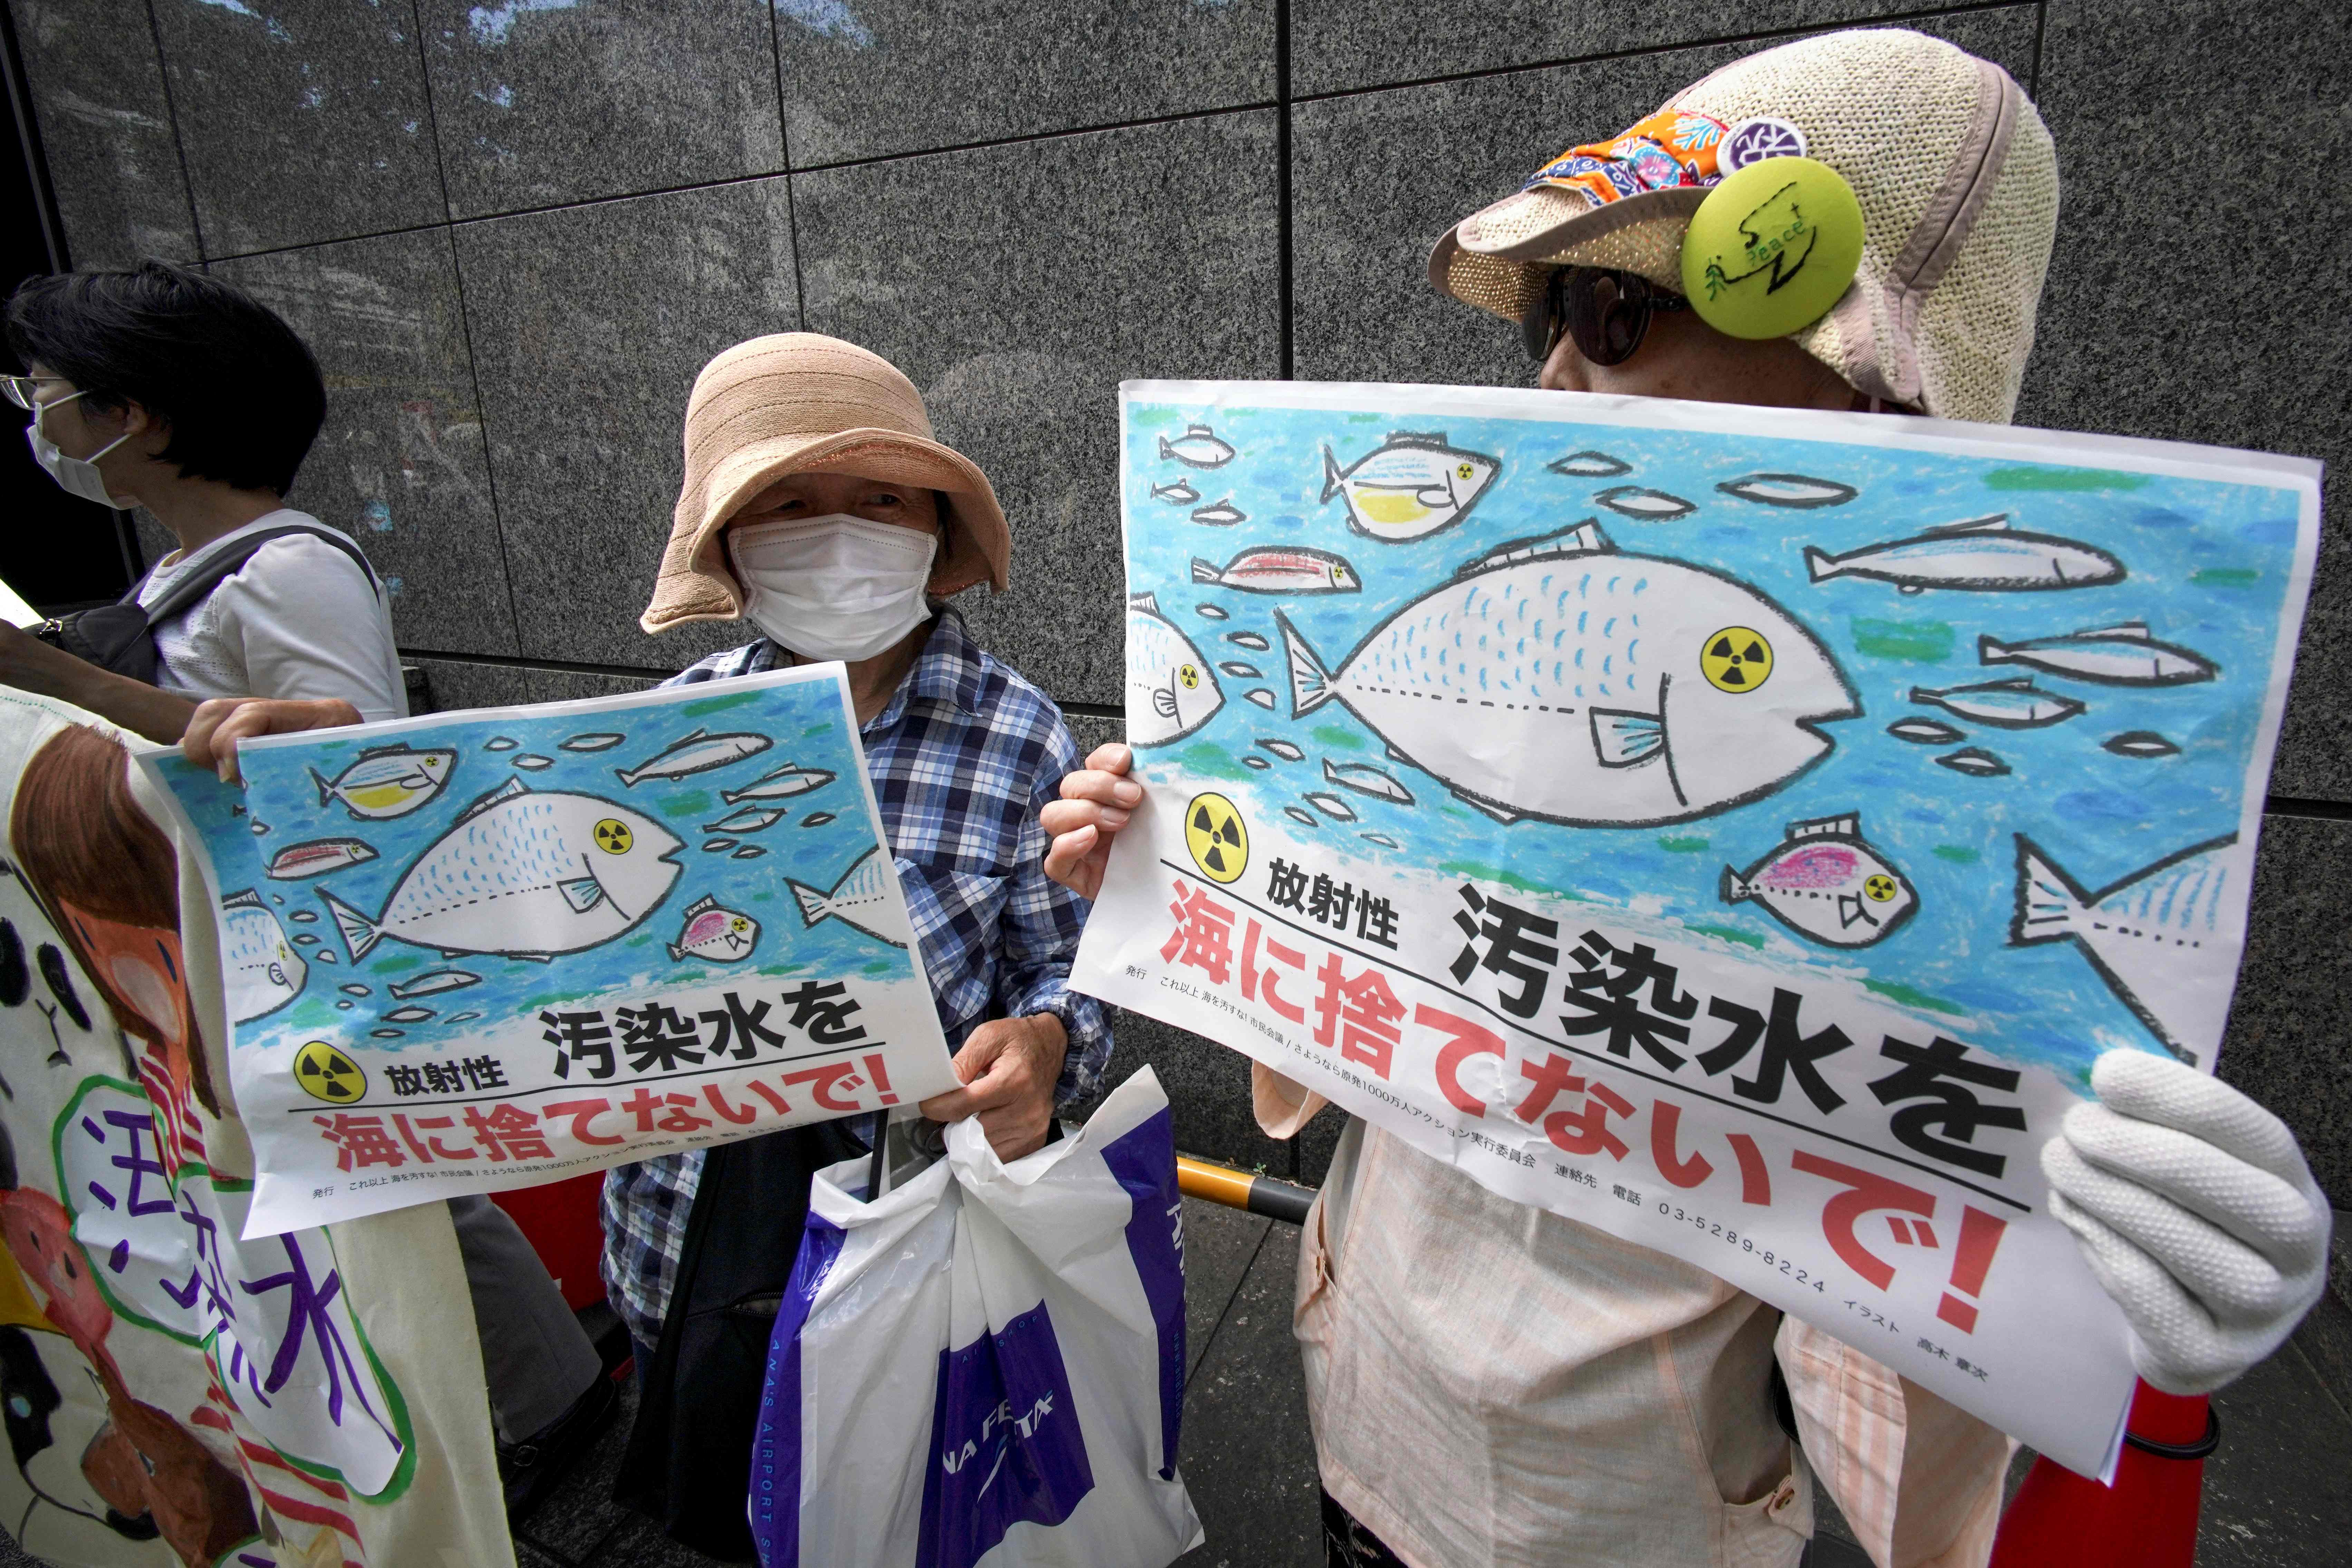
{"x": 483, "y": 950}
{"x": 1739, "y": 830}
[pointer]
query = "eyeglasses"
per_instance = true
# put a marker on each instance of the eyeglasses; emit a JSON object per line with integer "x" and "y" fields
{"x": 1605, "y": 310}
{"x": 19, "y": 389}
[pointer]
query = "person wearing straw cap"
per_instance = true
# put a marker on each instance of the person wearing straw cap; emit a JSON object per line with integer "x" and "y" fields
{"x": 1587, "y": 1401}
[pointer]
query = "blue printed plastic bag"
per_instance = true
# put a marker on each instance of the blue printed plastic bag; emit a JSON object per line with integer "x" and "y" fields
{"x": 985, "y": 1368}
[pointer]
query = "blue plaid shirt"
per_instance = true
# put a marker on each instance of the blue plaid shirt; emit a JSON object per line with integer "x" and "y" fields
{"x": 962, "y": 759}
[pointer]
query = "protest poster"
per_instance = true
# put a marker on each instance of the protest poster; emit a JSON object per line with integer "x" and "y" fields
{"x": 484, "y": 949}
{"x": 177, "y": 1393}
{"x": 1736, "y": 830}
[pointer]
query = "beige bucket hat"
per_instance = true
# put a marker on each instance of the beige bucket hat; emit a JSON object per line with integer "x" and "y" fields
{"x": 1955, "y": 172}
{"x": 798, "y": 403}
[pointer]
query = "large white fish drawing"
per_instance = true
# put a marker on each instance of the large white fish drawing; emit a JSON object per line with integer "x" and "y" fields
{"x": 1827, "y": 884}
{"x": 697, "y": 752}
{"x": 1171, "y": 689}
{"x": 524, "y": 873}
{"x": 264, "y": 971}
{"x": 860, "y": 899}
{"x": 2138, "y": 934}
{"x": 1410, "y": 486}
{"x": 1984, "y": 554}
{"x": 387, "y": 781}
{"x": 2113, "y": 656}
{"x": 1560, "y": 680}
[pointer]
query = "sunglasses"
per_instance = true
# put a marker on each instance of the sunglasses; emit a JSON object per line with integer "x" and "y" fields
{"x": 1605, "y": 310}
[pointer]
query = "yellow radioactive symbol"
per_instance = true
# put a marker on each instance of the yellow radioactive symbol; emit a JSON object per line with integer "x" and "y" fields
{"x": 1214, "y": 833}
{"x": 1880, "y": 889}
{"x": 325, "y": 1073}
{"x": 613, "y": 837}
{"x": 1464, "y": 471}
{"x": 1188, "y": 677}
{"x": 1736, "y": 660}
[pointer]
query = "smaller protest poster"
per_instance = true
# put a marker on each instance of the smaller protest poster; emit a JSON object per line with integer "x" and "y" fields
{"x": 1739, "y": 830}
{"x": 176, "y": 1393}
{"x": 483, "y": 950}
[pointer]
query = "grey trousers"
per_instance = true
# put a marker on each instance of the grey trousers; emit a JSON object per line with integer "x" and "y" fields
{"x": 535, "y": 1356}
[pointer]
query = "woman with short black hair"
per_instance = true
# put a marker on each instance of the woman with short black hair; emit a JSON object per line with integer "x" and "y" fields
{"x": 165, "y": 388}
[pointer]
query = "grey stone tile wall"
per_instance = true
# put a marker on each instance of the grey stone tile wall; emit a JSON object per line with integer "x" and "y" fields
{"x": 517, "y": 230}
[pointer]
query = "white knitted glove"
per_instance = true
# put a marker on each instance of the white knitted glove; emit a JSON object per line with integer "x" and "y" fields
{"x": 2195, "y": 1209}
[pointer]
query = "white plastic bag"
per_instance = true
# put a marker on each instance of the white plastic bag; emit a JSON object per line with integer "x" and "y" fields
{"x": 986, "y": 1367}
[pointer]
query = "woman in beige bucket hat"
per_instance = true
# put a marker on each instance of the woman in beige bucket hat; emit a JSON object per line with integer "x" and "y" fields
{"x": 1587, "y": 1401}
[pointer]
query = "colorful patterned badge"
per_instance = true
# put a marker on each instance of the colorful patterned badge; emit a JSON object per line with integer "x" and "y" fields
{"x": 1753, "y": 140}
{"x": 1672, "y": 148}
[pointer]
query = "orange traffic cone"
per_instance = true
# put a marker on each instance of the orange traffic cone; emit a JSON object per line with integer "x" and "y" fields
{"x": 2147, "y": 1519}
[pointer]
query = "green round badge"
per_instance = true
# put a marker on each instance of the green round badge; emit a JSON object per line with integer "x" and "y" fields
{"x": 1772, "y": 247}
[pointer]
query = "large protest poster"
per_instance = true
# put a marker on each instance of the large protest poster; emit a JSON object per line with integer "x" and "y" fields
{"x": 175, "y": 1394}
{"x": 1736, "y": 830}
{"x": 483, "y": 950}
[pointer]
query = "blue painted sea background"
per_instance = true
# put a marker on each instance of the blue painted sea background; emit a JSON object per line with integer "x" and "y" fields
{"x": 804, "y": 719}
{"x": 2209, "y": 566}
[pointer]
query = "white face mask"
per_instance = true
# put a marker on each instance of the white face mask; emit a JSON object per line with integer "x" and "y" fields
{"x": 836, "y": 586}
{"x": 75, "y": 475}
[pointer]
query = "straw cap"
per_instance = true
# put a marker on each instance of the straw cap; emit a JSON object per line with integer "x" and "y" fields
{"x": 1954, "y": 170}
{"x": 801, "y": 402}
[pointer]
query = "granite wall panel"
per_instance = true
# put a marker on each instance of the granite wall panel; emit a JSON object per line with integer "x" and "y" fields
{"x": 300, "y": 122}
{"x": 2284, "y": 1044}
{"x": 400, "y": 465}
{"x": 540, "y": 105}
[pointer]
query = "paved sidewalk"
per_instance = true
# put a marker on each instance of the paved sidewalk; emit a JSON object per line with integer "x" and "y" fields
{"x": 2276, "y": 1495}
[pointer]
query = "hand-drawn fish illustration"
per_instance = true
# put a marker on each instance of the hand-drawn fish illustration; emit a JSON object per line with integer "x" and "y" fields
{"x": 303, "y": 917}
{"x": 356, "y": 989}
{"x": 262, "y": 970}
{"x": 2136, "y": 932}
{"x": 1285, "y": 749}
{"x": 1631, "y": 675}
{"x": 467, "y": 1018}
{"x": 501, "y": 743}
{"x": 1330, "y": 806}
{"x": 1212, "y": 611}
{"x": 1279, "y": 569}
{"x": 531, "y": 761}
{"x": 345, "y": 1006}
{"x": 748, "y": 852}
{"x": 1798, "y": 491}
{"x": 1260, "y": 763}
{"x": 1297, "y": 814}
{"x": 434, "y": 984}
{"x": 1975, "y": 761}
{"x": 714, "y": 933}
{"x": 2139, "y": 744}
{"x": 819, "y": 820}
{"x": 1410, "y": 486}
{"x": 1648, "y": 505}
{"x": 2121, "y": 655}
{"x": 1224, "y": 514}
{"x": 409, "y": 1014}
{"x": 1249, "y": 641}
{"x": 751, "y": 819}
{"x": 304, "y": 939}
{"x": 1926, "y": 732}
{"x": 713, "y": 845}
{"x": 781, "y": 784}
{"x": 1365, "y": 779}
{"x": 1589, "y": 465}
{"x": 2005, "y": 704}
{"x": 320, "y": 855}
{"x": 1180, "y": 493}
{"x": 326, "y": 955}
{"x": 1984, "y": 554}
{"x": 386, "y": 781}
{"x": 602, "y": 741}
{"x": 1171, "y": 689}
{"x": 523, "y": 873}
{"x": 259, "y": 827}
{"x": 385, "y": 1033}
{"x": 1240, "y": 672}
{"x": 697, "y": 752}
{"x": 1827, "y": 884}
{"x": 1199, "y": 447}
{"x": 859, "y": 899}
{"x": 1260, "y": 696}
{"x": 1382, "y": 840}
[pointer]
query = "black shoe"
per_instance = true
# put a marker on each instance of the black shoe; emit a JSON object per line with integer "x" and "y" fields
{"x": 531, "y": 1470}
